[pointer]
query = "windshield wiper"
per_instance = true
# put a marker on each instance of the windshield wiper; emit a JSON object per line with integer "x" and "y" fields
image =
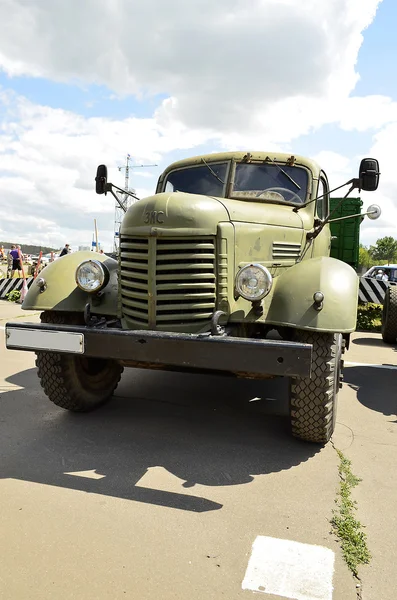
{"x": 213, "y": 172}
{"x": 284, "y": 172}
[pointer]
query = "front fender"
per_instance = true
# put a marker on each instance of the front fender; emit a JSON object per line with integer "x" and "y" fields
{"x": 63, "y": 294}
{"x": 292, "y": 300}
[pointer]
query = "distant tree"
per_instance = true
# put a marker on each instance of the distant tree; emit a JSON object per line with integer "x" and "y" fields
{"x": 365, "y": 260}
{"x": 385, "y": 249}
{"x": 29, "y": 248}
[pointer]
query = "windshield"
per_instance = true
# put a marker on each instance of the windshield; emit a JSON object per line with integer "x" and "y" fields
{"x": 270, "y": 182}
{"x": 198, "y": 180}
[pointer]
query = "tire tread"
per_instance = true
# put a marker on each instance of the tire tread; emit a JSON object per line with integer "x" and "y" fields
{"x": 389, "y": 315}
{"x": 313, "y": 400}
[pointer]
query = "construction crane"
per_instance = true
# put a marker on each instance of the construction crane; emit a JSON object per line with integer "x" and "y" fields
{"x": 124, "y": 200}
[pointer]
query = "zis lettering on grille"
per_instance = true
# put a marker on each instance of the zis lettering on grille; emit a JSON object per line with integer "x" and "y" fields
{"x": 154, "y": 216}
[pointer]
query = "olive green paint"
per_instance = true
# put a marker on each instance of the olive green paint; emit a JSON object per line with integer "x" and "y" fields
{"x": 62, "y": 292}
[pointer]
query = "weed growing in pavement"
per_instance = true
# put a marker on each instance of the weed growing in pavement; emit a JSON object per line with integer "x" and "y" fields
{"x": 347, "y": 527}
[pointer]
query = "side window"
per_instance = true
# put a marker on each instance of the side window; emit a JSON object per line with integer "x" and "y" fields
{"x": 323, "y": 201}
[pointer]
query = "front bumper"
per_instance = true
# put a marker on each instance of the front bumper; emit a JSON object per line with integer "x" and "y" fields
{"x": 160, "y": 350}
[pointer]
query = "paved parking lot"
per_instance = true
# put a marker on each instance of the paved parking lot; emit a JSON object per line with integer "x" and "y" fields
{"x": 163, "y": 492}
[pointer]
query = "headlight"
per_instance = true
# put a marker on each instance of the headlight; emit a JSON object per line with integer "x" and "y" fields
{"x": 253, "y": 282}
{"x": 91, "y": 275}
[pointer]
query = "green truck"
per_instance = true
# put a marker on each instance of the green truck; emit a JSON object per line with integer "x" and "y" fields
{"x": 225, "y": 269}
{"x": 345, "y": 233}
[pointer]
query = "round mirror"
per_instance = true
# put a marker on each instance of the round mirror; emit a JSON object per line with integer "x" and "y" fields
{"x": 374, "y": 212}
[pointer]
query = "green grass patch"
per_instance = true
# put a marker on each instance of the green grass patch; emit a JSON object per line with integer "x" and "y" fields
{"x": 13, "y": 296}
{"x": 369, "y": 317}
{"x": 348, "y": 529}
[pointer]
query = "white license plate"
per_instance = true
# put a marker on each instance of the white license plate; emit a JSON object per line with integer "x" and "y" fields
{"x": 33, "y": 339}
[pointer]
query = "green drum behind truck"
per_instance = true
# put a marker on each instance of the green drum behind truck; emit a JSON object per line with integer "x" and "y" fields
{"x": 225, "y": 269}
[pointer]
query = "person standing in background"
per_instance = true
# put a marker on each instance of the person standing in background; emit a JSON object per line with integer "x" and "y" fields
{"x": 16, "y": 262}
{"x": 65, "y": 250}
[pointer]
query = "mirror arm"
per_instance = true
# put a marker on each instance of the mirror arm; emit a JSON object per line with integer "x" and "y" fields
{"x": 117, "y": 200}
{"x": 349, "y": 217}
{"x": 109, "y": 188}
{"x": 355, "y": 183}
{"x": 313, "y": 234}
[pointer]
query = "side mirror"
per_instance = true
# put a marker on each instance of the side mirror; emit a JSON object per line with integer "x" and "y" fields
{"x": 369, "y": 174}
{"x": 373, "y": 212}
{"x": 101, "y": 179}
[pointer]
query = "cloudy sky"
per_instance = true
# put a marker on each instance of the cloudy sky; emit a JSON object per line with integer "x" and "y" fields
{"x": 83, "y": 83}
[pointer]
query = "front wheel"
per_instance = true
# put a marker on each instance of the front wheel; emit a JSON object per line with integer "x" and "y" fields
{"x": 313, "y": 401}
{"x": 74, "y": 382}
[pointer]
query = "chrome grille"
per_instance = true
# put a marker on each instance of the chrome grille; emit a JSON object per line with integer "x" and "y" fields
{"x": 182, "y": 283}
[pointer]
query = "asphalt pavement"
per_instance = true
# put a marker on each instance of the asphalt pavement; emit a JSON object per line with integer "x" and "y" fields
{"x": 188, "y": 486}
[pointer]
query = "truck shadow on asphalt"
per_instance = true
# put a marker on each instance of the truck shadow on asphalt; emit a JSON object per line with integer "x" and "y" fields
{"x": 376, "y": 342}
{"x": 204, "y": 430}
{"x": 375, "y": 388}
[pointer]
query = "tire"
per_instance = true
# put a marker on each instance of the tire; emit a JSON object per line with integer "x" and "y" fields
{"x": 75, "y": 383}
{"x": 389, "y": 315}
{"x": 313, "y": 401}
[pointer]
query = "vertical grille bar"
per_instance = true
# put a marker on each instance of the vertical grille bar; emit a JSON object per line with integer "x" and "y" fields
{"x": 152, "y": 283}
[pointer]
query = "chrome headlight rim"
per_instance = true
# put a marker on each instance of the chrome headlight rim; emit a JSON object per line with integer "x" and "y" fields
{"x": 266, "y": 290}
{"x": 104, "y": 275}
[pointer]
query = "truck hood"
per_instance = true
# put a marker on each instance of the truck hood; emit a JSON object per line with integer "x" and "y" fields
{"x": 188, "y": 213}
{"x": 201, "y": 214}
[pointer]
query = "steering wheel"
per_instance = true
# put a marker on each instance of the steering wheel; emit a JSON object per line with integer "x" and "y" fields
{"x": 285, "y": 194}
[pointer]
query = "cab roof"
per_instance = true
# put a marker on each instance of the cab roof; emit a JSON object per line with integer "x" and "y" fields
{"x": 248, "y": 156}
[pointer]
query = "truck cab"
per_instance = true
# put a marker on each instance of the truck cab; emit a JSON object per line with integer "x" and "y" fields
{"x": 211, "y": 217}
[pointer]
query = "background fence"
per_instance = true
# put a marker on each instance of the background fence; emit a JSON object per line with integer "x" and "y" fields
{"x": 9, "y": 285}
{"x": 372, "y": 290}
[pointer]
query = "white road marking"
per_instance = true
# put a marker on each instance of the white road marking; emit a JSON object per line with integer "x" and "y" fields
{"x": 86, "y": 474}
{"x": 290, "y": 569}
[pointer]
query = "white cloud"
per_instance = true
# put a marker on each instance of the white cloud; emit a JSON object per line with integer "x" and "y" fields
{"x": 236, "y": 74}
{"x": 338, "y": 167}
{"x": 275, "y": 66}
